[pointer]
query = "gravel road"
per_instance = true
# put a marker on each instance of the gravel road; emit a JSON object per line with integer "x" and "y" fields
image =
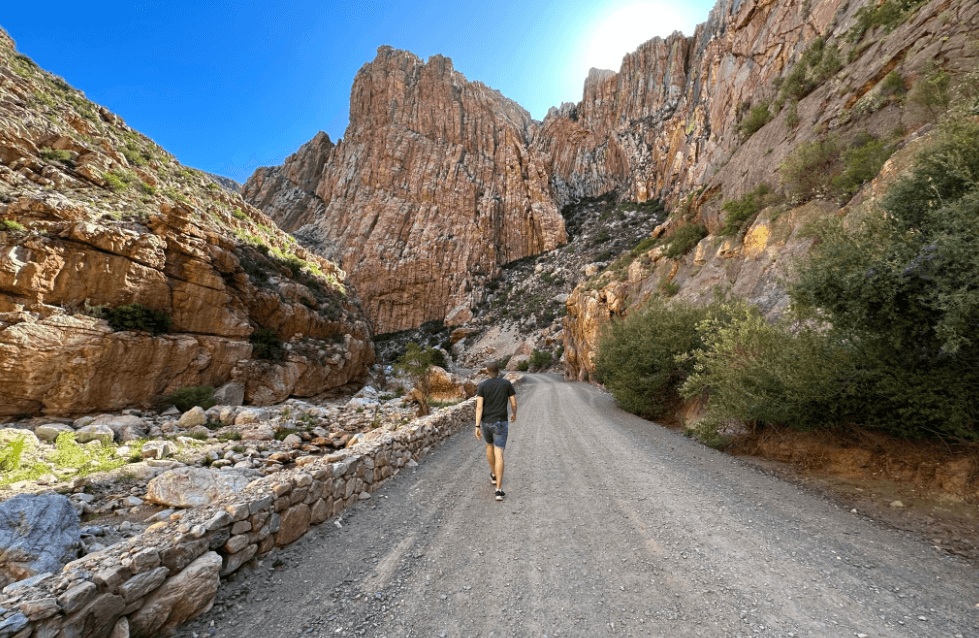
{"x": 611, "y": 526}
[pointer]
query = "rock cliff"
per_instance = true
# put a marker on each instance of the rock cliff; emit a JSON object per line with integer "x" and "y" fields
{"x": 670, "y": 124}
{"x": 433, "y": 187}
{"x": 95, "y": 217}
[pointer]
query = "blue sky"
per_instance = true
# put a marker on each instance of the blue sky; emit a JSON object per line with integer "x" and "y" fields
{"x": 229, "y": 86}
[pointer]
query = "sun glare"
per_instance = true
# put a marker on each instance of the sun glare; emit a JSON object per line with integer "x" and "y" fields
{"x": 623, "y": 28}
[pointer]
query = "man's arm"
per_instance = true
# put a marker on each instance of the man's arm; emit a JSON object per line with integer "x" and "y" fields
{"x": 479, "y": 415}
{"x": 513, "y": 407}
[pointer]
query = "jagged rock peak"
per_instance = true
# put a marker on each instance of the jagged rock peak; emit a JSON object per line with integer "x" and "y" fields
{"x": 433, "y": 188}
{"x": 6, "y": 40}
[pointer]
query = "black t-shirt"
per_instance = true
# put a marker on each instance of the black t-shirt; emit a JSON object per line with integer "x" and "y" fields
{"x": 496, "y": 393}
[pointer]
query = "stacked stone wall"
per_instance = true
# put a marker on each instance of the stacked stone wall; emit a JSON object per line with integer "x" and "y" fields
{"x": 149, "y": 584}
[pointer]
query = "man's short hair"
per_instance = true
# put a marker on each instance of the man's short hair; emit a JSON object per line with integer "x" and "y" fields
{"x": 493, "y": 368}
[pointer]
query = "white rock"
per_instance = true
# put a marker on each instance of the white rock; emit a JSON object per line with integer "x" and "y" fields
{"x": 192, "y": 418}
{"x": 50, "y": 431}
{"x": 102, "y": 433}
{"x": 193, "y": 486}
{"x": 293, "y": 441}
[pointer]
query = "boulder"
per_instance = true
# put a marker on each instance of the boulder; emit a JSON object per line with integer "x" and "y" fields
{"x": 247, "y": 417}
{"x": 102, "y": 433}
{"x": 49, "y": 432}
{"x": 192, "y": 418}
{"x": 516, "y": 360}
{"x": 157, "y": 449}
{"x": 231, "y": 393}
{"x": 180, "y": 598}
{"x": 125, "y": 427}
{"x": 193, "y": 486}
{"x": 38, "y": 533}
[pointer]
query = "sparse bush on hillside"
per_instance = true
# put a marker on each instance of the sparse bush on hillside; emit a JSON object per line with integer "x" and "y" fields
{"x": 417, "y": 363}
{"x": 740, "y": 212}
{"x": 136, "y": 316}
{"x": 56, "y": 155}
{"x": 10, "y": 226}
{"x": 757, "y": 117}
{"x": 862, "y": 161}
{"x": 187, "y": 398}
{"x": 684, "y": 239}
{"x": 266, "y": 344}
{"x": 819, "y": 62}
{"x": 809, "y": 170}
{"x": 889, "y": 14}
{"x": 540, "y": 359}
{"x": 932, "y": 92}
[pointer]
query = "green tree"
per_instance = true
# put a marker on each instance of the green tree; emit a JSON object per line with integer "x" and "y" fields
{"x": 903, "y": 288}
{"x": 416, "y": 363}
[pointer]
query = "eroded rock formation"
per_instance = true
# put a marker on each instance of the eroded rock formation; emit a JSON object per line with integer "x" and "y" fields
{"x": 434, "y": 185}
{"x": 94, "y": 216}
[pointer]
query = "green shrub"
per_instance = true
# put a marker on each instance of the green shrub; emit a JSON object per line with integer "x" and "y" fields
{"x": 233, "y": 435}
{"x": 86, "y": 459}
{"x": 641, "y": 359}
{"x": 742, "y": 211}
{"x": 136, "y": 316}
{"x": 903, "y": 288}
{"x": 187, "y": 398}
{"x": 56, "y": 155}
{"x": 764, "y": 373}
{"x": 792, "y": 114}
{"x": 889, "y": 15}
{"x": 540, "y": 359}
{"x": 147, "y": 189}
{"x": 683, "y": 239}
{"x": 10, "y": 226}
{"x": 523, "y": 366}
{"x": 862, "y": 161}
{"x": 10, "y": 454}
{"x": 933, "y": 92}
{"x": 809, "y": 169}
{"x": 282, "y": 433}
{"x": 819, "y": 62}
{"x": 892, "y": 84}
{"x": 115, "y": 182}
{"x": 237, "y": 214}
{"x": 757, "y": 117}
{"x": 266, "y": 344}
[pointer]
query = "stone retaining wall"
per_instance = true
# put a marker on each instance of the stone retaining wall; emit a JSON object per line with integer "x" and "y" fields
{"x": 149, "y": 584}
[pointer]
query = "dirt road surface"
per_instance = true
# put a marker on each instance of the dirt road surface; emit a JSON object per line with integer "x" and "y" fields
{"x": 612, "y": 526}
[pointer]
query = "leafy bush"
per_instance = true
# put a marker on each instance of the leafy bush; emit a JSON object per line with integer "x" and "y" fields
{"x": 764, "y": 373}
{"x": 903, "y": 288}
{"x": 740, "y": 211}
{"x": 237, "y": 214}
{"x": 862, "y": 162}
{"x": 757, "y": 117}
{"x": 523, "y": 366}
{"x": 116, "y": 181}
{"x": 233, "y": 435}
{"x": 818, "y": 63}
{"x": 416, "y": 363}
{"x": 187, "y": 398}
{"x": 266, "y": 344}
{"x": 540, "y": 359}
{"x": 892, "y": 84}
{"x": 56, "y": 155}
{"x": 889, "y": 15}
{"x": 640, "y": 360}
{"x": 809, "y": 169}
{"x": 86, "y": 459}
{"x": 683, "y": 239}
{"x": 933, "y": 92}
{"x": 136, "y": 316}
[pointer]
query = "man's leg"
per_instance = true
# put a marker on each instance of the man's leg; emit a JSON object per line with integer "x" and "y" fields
{"x": 498, "y": 465}
{"x": 491, "y": 458}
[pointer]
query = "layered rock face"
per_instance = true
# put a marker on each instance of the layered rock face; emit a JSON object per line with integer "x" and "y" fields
{"x": 94, "y": 216}
{"x": 434, "y": 185}
{"x": 674, "y": 111}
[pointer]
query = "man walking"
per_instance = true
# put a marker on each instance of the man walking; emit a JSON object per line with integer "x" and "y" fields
{"x": 491, "y": 420}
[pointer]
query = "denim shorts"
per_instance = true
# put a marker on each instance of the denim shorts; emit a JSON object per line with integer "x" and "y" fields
{"x": 495, "y": 433}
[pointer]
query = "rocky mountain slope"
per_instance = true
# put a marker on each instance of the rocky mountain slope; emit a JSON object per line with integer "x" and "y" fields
{"x": 95, "y": 217}
{"x": 433, "y": 187}
{"x": 771, "y": 80}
